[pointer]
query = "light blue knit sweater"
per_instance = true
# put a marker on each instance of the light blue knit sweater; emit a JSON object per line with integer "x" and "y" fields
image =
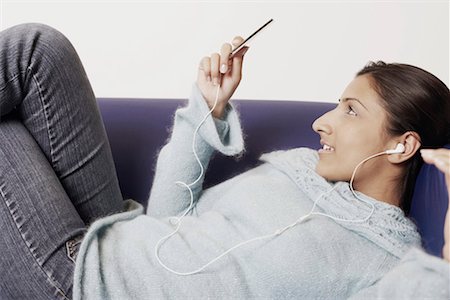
{"x": 417, "y": 276}
{"x": 319, "y": 258}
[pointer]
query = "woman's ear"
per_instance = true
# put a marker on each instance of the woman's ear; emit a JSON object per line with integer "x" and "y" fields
{"x": 411, "y": 141}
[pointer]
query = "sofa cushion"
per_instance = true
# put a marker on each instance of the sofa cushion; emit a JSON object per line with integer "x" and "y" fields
{"x": 138, "y": 128}
{"x": 429, "y": 206}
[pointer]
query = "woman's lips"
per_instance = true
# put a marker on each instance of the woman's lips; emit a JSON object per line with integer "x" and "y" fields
{"x": 326, "y": 149}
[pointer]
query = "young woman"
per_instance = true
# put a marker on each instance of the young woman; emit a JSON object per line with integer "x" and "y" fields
{"x": 299, "y": 229}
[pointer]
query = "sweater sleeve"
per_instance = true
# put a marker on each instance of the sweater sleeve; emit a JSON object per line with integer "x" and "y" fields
{"x": 417, "y": 276}
{"x": 176, "y": 160}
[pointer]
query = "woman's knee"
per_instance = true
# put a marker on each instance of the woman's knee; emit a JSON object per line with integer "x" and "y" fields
{"x": 41, "y": 39}
{"x": 34, "y": 30}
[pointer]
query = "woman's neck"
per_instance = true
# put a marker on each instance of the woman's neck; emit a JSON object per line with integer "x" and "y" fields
{"x": 384, "y": 187}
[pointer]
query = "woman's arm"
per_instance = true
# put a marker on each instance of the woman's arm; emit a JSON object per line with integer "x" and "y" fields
{"x": 441, "y": 159}
{"x": 176, "y": 161}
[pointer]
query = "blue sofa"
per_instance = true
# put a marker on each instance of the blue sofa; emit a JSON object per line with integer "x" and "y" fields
{"x": 138, "y": 128}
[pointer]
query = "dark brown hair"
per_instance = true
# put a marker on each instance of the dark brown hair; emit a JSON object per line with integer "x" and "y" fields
{"x": 415, "y": 100}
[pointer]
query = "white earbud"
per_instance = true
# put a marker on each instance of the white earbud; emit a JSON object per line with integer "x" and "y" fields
{"x": 399, "y": 149}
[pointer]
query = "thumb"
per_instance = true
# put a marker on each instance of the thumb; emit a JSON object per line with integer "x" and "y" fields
{"x": 238, "y": 58}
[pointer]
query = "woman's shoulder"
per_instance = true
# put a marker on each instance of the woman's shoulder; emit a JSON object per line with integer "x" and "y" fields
{"x": 292, "y": 160}
{"x": 295, "y": 156}
{"x": 300, "y": 165}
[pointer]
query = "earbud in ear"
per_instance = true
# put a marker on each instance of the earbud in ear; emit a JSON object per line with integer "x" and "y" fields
{"x": 399, "y": 149}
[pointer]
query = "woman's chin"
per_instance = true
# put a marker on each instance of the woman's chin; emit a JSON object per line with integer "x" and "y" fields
{"x": 327, "y": 173}
{"x": 322, "y": 171}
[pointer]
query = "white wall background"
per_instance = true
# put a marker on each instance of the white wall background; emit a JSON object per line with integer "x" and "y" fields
{"x": 311, "y": 51}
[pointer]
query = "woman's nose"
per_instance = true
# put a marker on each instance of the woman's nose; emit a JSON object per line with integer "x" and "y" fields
{"x": 323, "y": 124}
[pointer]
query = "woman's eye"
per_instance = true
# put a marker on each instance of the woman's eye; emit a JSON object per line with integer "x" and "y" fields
{"x": 350, "y": 111}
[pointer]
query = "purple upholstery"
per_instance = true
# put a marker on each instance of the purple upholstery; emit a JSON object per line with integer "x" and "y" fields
{"x": 138, "y": 128}
{"x": 429, "y": 206}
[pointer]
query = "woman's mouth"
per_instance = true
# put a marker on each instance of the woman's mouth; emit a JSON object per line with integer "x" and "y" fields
{"x": 326, "y": 149}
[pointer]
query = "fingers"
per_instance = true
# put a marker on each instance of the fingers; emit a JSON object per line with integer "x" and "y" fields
{"x": 224, "y": 57}
{"x": 237, "y": 41}
{"x": 236, "y": 71}
{"x": 446, "y": 251}
{"x": 439, "y": 157}
{"x": 211, "y": 68}
{"x": 215, "y": 61}
{"x": 205, "y": 69}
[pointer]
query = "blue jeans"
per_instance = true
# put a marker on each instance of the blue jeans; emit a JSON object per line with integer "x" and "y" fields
{"x": 57, "y": 174}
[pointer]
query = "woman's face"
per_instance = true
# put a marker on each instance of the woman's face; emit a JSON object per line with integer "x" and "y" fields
{"x": 351, "y": 132}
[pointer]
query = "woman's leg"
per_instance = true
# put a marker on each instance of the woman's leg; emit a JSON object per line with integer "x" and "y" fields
{"x": 42, "y": 77}
{"x": 56, "y": 168}
{"x": 38, "y": 223}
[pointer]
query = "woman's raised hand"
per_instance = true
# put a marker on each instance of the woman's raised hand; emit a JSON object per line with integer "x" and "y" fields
{"x": 441, "y": 159}
{"x": 220, "y": 68}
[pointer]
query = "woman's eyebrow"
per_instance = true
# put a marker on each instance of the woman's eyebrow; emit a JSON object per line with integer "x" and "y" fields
{"x": 354, "y": 99}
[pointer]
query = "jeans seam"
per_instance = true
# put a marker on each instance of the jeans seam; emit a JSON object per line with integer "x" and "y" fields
{"x": 45, "y": 106}
{"x": 50, "y": 279}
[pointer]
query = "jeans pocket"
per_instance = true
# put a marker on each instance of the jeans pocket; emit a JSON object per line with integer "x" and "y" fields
{"x": 73, "y": 246}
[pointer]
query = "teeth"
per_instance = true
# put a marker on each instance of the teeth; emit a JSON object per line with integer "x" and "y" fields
{"x": 327, "y": 148}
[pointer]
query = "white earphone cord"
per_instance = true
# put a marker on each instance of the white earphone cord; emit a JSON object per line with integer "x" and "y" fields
{"x": 277, "y": 232}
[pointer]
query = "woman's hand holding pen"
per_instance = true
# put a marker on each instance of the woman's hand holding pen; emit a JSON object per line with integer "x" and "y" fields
{"x": 220, "y": 68}
{"x": 441, "y": 159}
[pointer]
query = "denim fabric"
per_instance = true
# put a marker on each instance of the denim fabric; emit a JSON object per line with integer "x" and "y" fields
{"x": 57, "y": 174}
